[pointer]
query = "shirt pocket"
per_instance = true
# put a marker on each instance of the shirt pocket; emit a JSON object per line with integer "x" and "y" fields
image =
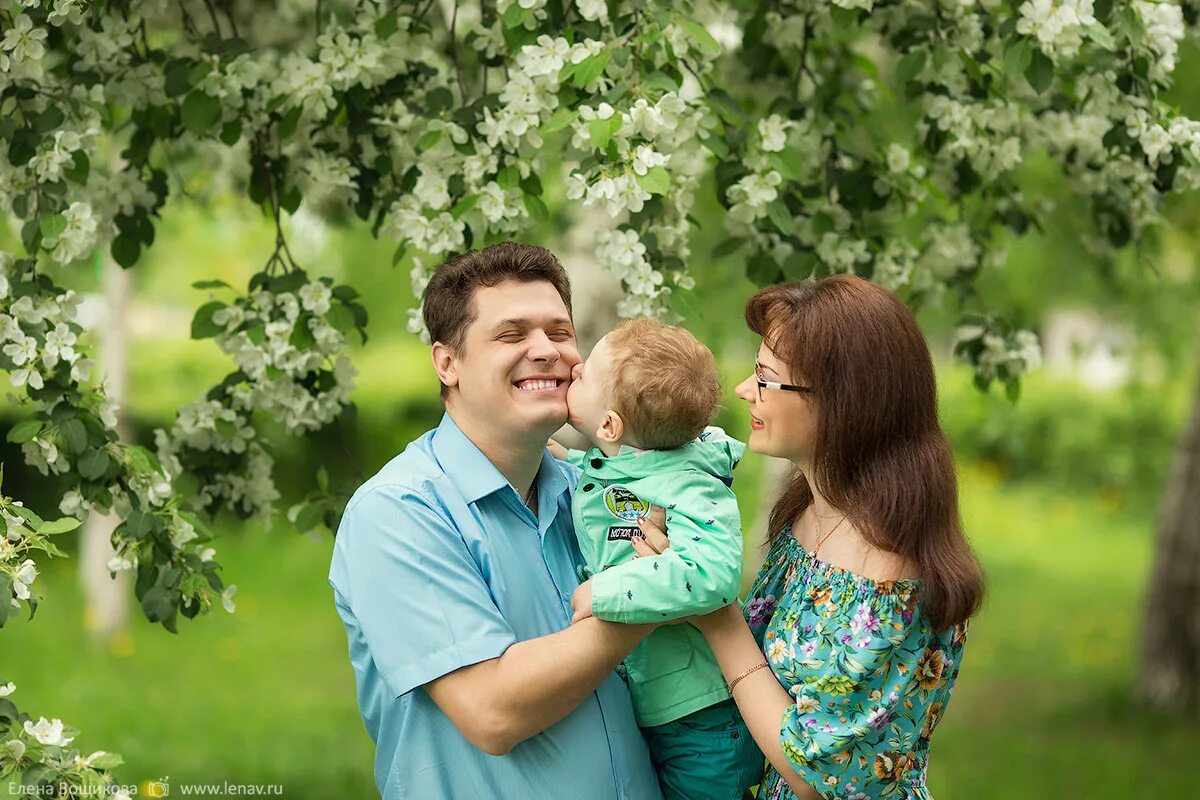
{"x": 666, "y": 651}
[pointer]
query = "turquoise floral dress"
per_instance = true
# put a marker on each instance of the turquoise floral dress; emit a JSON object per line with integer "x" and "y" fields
{"x": 870, "y": 676}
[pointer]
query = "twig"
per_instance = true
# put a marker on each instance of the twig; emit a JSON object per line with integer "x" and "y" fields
{"x": 212, "y": 14}
{"x": 462, "y": 87}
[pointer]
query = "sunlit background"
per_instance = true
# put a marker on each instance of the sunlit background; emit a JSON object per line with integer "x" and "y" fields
{"x": 1059, "y": 494}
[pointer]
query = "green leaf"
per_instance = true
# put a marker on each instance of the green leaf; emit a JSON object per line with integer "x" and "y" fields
{"x": 788, "y": 163}
{"x": 781, "y": 217}
{"x": 1040, "y": 72}
{"x": 429, "y": 140}
{"x": 508, "y": 178}
{"x": 560, "y": 119}
{"x": 590, "y": 68}
{"x": 53, "y": 225}
{"x": 211, "y": 284}
{"x": 203, "y": 326}
{"x": 762, "y": 270}
{"x": 728, "y": 247}
{"x": 33, "y": 520}
{"x": 323, "y": 479}
{"x": 48, "y": 120}
{"x": 1102, "y": 36}
{"x": 340, "y": 317}
{"x": 93, "y": 464}
{"x": 126, "y": 248}
{"x": 1017, "y": 57}
{"x": 141, "y": 460}
{"x": 200, "y": 111}
{"x": 178, "y": 80}
{"x": 536, "y": 208}
{"x": 64, "y": 525}
{"x": 75, "y": 435}
{"x": 157, "y": 604}
{"x": 464, "y": 205}
{"x": 656, "y": 180}
{"x": 24, "y": 431}
{"x": 515, "y": 16}
{"x": 309, "y": 517}
{"x": 107, "y": 761}
{"x": 910, "y": 65}
{"x": 80, "y": 167}
{"x": 230, "y": 132}
{"x": 699, "y": 34}
{"x": 386, "y": 25}
{"x": 287, "y": 125}
{"x": 602, "y": 130}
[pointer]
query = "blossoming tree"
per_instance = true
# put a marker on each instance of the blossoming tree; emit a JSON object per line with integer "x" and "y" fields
{"x": 881, "y": 137}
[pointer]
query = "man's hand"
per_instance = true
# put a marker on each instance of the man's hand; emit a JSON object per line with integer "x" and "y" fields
{"x": 581, "y": 601}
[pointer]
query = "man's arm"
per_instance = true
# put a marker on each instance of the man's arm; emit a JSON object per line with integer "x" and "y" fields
{"x": 499, "y": 703}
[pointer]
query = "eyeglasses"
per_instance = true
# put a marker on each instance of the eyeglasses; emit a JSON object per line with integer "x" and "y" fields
{"x": 786, "y": 387}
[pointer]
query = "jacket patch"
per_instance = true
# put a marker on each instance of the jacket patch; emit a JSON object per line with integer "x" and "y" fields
{"x": 624, "y": 504}
{"x": 621, "y": 533}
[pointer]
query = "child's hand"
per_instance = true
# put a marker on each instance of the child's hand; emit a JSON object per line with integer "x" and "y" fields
{"x": 651, "y": 539}
{"x": 556, "y": 449}
{"x": 581, "y": 601}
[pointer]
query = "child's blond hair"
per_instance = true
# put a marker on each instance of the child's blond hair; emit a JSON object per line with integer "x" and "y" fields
{"x": 664, "y": 383}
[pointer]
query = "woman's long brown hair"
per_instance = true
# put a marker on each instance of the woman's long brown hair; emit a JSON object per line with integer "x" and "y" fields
{"x": 879, "y": 453}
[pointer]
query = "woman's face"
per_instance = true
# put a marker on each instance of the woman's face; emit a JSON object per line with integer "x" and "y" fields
{"x": 783, "y": 423}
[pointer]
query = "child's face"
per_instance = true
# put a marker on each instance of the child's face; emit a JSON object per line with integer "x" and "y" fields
{"x": 587, "y": 403}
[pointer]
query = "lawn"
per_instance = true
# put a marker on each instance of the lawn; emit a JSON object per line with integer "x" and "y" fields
{"x": 266, "y": 696}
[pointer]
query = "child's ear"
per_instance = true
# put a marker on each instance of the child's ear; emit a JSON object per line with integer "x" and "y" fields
{"x": 612, "y": 427}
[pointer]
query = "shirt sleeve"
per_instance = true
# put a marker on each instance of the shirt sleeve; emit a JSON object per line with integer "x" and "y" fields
{"x": 853, "y": 705}
{"x": 701, "y": 570}
{"x": 418, "y": 596}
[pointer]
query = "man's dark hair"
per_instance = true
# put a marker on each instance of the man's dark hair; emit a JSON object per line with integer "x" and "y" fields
{"x": 448, "y": 303}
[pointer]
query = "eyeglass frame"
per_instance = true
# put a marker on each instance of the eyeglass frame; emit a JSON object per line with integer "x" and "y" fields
{"x": 786, "y": 387}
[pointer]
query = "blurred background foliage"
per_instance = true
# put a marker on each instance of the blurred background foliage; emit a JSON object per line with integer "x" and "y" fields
{"x": 1059, "y": 495}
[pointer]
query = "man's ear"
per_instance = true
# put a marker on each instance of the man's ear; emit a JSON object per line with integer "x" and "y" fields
{"x": 612, "y": 427}
{"x": 445, "y": 363}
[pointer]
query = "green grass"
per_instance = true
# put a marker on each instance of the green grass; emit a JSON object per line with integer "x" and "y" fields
{"x": 1042, "y": 709}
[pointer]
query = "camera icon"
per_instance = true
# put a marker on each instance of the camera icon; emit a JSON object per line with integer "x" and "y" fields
{"x": 159, "y": 788}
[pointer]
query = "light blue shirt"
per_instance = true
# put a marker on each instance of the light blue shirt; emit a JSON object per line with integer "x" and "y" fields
{"x": 437, "y": 565}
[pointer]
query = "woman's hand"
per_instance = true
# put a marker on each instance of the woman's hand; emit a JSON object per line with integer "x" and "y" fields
{"x": 651, "y": 538}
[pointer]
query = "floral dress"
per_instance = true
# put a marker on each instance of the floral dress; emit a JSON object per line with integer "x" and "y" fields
{"x": 870, "y": 676}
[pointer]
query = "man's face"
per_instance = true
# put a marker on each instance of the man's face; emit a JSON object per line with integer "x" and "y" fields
{"x": 517, "y": 358}
{"x": 587, "y": 395}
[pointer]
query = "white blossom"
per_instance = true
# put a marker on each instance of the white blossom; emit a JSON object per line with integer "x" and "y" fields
{"x": 48, "y": 732}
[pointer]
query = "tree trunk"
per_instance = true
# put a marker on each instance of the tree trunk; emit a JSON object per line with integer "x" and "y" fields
{"x": 106, "y": 601}
{"x": 1169, "y": 679}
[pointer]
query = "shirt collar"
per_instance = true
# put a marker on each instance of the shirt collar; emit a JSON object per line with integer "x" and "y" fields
{"x": 477, "y": 477}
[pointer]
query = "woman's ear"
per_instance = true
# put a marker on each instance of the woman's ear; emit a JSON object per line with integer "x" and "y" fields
{"x": 445, "y": 363}
{"x": 612, "y": 427}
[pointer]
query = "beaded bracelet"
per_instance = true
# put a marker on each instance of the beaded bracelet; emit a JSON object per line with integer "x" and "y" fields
{"x": 755, "y": 668}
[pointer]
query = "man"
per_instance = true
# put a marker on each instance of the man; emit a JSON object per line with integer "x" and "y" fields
{"x": 454, "y": 567}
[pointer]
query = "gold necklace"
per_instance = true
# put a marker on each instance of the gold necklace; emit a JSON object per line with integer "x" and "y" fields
{"x": 529, "y": 494}
{"x": 825, "y": 538}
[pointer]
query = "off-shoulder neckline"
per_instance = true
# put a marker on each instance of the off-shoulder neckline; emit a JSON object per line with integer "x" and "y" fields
{"x": 880, "y": 585}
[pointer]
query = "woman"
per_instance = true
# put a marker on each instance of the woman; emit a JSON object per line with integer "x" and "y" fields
{"x": 844, "y": 656}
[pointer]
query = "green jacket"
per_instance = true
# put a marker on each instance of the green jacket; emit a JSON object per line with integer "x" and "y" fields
{"x": 672, "y": 673}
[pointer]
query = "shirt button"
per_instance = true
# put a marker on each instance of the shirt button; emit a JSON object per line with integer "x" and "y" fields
{"x": 597, "y": 463}
{"x": 587, "y": 487}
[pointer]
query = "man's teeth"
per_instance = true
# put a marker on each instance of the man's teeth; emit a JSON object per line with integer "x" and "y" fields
{"x": 534, "y": 386}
